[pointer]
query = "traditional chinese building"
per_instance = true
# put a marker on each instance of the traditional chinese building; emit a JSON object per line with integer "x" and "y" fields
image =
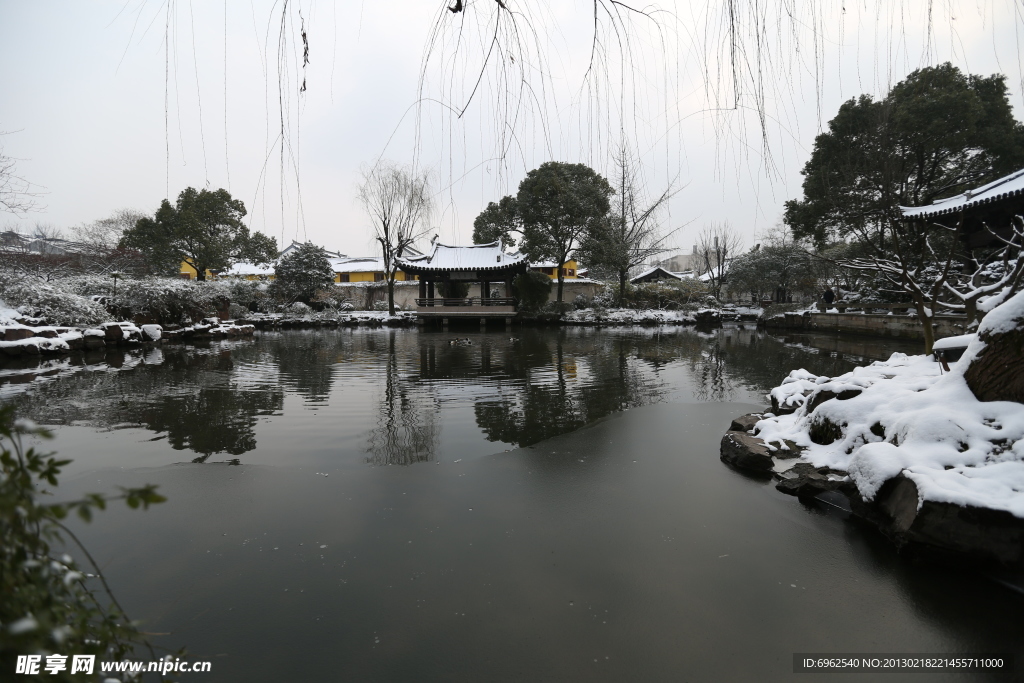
{"x": 486, "y": 264}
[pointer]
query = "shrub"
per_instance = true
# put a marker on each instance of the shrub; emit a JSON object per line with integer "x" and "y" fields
{"x": 250, "y": 294}
{"x": 171, "y": 300}
{"x": 667, "y": 294}
{"x": 605, "y": 298}
{"x": 55, "y": 302}
{"x": 49, "y": 603}
{"x": 532, "y": 289}
{"x": 332, "y": 298}
{"x": 297, "y": 308}
{"x": 581, "y": 301}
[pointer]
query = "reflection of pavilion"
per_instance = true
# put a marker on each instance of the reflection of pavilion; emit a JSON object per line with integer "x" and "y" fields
{"x": 485, "y": 264}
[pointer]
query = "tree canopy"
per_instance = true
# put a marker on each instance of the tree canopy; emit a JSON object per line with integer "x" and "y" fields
{"x": 303, "y": 272}
{"x": 936, "y": 134}
{"x": 774, "y": 268}
{"x": 204, "y": 229}
{"x": 558, "y": 204}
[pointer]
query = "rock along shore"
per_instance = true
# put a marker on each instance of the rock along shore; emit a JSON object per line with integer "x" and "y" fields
{"x": 938, "y": 529}
{"x": 26, "y": 340}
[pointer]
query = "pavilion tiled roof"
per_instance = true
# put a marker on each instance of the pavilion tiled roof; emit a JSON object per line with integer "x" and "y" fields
{"x": 476, "y": 257}
{"x": 1006, "y": 187}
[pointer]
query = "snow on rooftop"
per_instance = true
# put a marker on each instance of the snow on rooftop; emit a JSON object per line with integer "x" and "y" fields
{"x": 655, "y": 269}
{"x": 243, "y": 269}
{"x": 358, "y": 264}
{"x": 1007, "y": 186}
{"x": 474, "y": 257}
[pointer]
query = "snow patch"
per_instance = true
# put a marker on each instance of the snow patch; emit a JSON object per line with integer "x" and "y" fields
{"x": 910, "y": 417}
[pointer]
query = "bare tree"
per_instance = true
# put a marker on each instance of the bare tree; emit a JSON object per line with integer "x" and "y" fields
{"x": 98, "y": 243}
{"x": 17, "y": 195}
{"x": 47, "y": 231}
{"x": 997, "y": 273}
{"x": 102, "y": 236}
{"x": 923, "y": 262}
{"x": 399, "y": 203}
{"x": 716, "y": 245}
{"x": 632, "y": 235}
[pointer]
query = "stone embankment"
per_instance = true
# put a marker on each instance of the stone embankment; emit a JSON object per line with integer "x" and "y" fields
{"x": 898, "y": 510}
{"x": 272, "y": 321}
{"x": 26, "y": 340}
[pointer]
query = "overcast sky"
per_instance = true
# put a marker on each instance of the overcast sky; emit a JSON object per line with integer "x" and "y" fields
{"x": 85, "y": 84}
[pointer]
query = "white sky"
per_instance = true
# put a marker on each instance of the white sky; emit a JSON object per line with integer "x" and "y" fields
{"x": 83, "y": 97}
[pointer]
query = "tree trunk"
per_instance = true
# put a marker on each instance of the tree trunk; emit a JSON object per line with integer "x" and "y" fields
{"x": 622, "y": 286}
{"x": 927, "y": 323}
{"x": 200, "y": 273}
{"x": 995, "y": 375}
{"x": 561, "y": 279}
{"x": 971, "y": 311}
{"x": 391, "y": 294}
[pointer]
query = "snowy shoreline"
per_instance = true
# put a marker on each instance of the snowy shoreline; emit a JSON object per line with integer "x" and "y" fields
{"x": 907, "y": 443}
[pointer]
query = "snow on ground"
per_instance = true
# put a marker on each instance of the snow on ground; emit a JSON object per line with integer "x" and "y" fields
{"x": 629, "y": 316}
{"x": 911, "y": 417}
{"x": 8, "y": 316}
{"x": 380, "y": 316}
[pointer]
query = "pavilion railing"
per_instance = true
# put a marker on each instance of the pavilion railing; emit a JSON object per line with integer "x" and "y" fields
{"x": 471, "y": 301}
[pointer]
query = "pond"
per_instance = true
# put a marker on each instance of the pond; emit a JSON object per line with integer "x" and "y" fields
{"x": 542, "y": 504}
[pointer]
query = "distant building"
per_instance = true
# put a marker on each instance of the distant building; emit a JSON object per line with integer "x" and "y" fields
{"x": 346, "y": 268}
{"x": 569, "y": 269}
{"x": 681, "y": 262}
{"x": 363, "y": 269}
{"x": 654, "y": 274}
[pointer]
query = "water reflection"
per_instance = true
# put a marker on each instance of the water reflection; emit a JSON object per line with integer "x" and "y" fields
{"x": 407, "y": 423}
{"x": 562, "y": 388}
{"x": 402, "y": 397}
{"x": 186, "y": 395}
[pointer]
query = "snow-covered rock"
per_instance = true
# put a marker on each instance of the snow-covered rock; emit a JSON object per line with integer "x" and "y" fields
{"x": 905, "y": 415}
{"x": 628, "y": 316}
{"x": 152, "y": 332}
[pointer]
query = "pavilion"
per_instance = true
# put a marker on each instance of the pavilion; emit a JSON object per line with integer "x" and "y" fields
{"x": 486, "y": 264}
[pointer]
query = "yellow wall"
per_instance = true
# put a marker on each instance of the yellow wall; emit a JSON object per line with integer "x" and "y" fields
{"x": 187, "y": 271}
{"x": 191, "y": 273}
{"x": 570, "y": 268}
{"x": 369, "y": 277}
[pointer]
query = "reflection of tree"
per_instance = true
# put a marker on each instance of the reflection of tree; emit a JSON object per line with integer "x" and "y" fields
{"x": 193, "y": 397}
{"x": 211, "y": 420}
{"x": 732, "y": 358}
{"x": 551, "y": 401}
{"x": 305, "y": 361}
{"x": 407, "y": 430}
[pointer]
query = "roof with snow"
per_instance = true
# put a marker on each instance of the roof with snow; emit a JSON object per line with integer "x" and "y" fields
{"x": 243, "y": 269}
{"x": 476, "y": 257}
{"x": 291, "y": 247}
{"x": 358, "y": 264}
{"x": 655, "y": 273}
{"x": 1004, "y": 188}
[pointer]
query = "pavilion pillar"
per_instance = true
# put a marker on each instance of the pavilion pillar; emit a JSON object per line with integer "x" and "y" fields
{"x": 423, "y": 289}
{"x": 485, "y": 292}
{"x": 430, "y": 292}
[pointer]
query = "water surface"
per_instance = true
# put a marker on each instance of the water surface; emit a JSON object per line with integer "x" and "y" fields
{"x": 535, "y": 505}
